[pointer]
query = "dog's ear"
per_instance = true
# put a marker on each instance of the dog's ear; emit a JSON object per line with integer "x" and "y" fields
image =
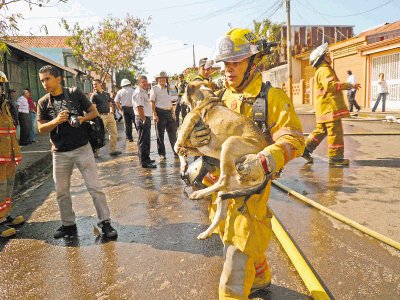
{"x": 186, "y": 97}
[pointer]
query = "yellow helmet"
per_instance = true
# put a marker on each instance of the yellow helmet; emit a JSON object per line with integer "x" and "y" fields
{"x": 236, "y": 45}
{"x": 3, "y": 77}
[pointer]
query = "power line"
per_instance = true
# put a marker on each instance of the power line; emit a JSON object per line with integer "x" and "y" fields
{"x": 326, "y": 20}
{"x": 350, "y": 15}
{"x": 274, "y": 7}
{"x": 176, "y": 6}
{"x": 217, "y": 12}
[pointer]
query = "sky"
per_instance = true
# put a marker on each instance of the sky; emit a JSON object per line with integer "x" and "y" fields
{"x": 179, "y": 25}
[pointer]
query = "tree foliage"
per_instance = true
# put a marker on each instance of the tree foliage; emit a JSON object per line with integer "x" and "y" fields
{"x": 268, "y": 30}
{"x": 9, "y": 21}
{"x": 116, "y": 44}
{"x": 128, "y": 74}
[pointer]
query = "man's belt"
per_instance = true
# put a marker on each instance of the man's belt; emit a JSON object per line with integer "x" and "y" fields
{"x": 166, "y": 109}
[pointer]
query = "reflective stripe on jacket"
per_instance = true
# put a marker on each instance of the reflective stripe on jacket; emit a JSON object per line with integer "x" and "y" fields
{"x": 329, "y": 104}
{"x": 249, "y": 230}
{"x": 9, "y": 148}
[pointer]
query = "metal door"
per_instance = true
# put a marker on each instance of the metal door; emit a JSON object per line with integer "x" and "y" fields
{"x": 390, "y": 66}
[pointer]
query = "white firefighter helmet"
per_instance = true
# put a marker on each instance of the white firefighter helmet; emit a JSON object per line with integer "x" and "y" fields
{"x": 125, "y": 82}
{"x": 3, "y": 77}
{"x": 318, "y": 53}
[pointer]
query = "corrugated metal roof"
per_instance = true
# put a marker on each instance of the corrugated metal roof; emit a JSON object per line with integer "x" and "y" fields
{"x": 41, "y": 41}
{"x": 41, "y": 57}
{"x": 380, "y": 44}
{"x": 382, "y": 29}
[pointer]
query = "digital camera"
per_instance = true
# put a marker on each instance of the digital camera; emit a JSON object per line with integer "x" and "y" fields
{"x": 73, "y": 119}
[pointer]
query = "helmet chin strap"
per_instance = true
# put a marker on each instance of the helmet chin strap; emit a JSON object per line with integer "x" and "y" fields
{"x": 247, "y": 73}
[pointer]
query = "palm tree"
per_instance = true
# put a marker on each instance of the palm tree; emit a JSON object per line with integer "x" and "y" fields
{"x": 270, "y": 31}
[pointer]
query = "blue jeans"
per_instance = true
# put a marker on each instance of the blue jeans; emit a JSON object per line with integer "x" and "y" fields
{"x": 32, "y": 134}
{"x": 383, "y": 97}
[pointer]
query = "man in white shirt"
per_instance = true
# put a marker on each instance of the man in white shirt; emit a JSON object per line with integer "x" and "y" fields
{"x": 163, "y": 114}
{"x": 351, "y": 93}
{"x": 142, "y": 107}
{"x": 123, "y": 100}
{"x": 23, "y": 117}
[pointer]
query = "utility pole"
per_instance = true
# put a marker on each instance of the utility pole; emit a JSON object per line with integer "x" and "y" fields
{"x": 289, "y": 51}
{"x": 194, "y": 59}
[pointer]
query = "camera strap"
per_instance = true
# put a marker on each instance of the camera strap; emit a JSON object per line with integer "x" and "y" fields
{"x": 67, "y": 98}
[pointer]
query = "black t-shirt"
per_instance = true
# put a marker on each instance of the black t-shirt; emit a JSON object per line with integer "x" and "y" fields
{"x": 102, "y": 101}
{"x": 65, "y": 137}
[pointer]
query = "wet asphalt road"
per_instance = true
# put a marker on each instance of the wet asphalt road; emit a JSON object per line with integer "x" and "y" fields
{"x": 157, "y": 255}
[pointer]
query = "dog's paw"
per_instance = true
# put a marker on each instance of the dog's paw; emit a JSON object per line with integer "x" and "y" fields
{"x": 204, "y": 235}
{"x": 196, "y": 195}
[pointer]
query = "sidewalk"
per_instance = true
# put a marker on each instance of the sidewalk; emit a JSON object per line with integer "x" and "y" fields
{"x": 302, "y": 109}
{"x": 36, "y": 161}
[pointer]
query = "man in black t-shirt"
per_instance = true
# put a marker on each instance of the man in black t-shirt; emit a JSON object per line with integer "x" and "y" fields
{"x": 104, "y": 106}
{"x": 61, "y": 113}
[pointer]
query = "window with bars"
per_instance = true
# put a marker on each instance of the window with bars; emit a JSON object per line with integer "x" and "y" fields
{"x": 390, "y": 66}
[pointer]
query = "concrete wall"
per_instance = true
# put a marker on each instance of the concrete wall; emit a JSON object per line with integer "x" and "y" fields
{"x": 356, "y": 63}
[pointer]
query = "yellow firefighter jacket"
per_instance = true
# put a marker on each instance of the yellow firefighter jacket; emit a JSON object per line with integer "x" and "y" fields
{"x": 251, "y": 231}
{"x": 9, "y": 148}
{"x": 329, "y": 104}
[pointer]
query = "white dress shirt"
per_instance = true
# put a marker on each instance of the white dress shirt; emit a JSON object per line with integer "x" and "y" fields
{"x": 140, "y": 98}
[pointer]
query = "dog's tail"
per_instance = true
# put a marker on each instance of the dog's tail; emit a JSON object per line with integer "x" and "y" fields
{"x": 249, "y": 191}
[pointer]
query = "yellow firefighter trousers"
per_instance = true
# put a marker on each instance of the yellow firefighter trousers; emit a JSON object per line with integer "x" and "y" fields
{"x": 242, "y": 274}
{"x": 334, "y": 131}
{"x": 7, "y": 175}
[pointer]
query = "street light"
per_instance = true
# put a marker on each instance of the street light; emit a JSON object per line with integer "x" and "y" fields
{"x": 194, "y": 59}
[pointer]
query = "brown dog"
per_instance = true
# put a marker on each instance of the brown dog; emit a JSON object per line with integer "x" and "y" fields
{"x": 232, "y": 136}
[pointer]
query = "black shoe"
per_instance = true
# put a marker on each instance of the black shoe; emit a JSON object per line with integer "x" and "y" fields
{"x": 261, "y": 293}
{"x": 115, "y": 153}
{"x": 14, "y": 221}
{"x": 130, "y": 141}
{"x": 66, "y": 231}
{"x": 152, "y": 161}
{"x": 307, "y": 156}
{"x": 108, "y": 230}
{"x": 340, "y": 162}
{"x": 149, "y": 166}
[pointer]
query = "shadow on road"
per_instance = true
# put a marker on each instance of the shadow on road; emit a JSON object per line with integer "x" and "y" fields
{"x": 385, "y": 162}
{"x": 180, "y": 237}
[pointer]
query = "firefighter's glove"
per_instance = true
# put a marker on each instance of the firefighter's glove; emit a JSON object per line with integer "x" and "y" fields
{"x": 200, "y": 136}
{"x": 253, "y": 167}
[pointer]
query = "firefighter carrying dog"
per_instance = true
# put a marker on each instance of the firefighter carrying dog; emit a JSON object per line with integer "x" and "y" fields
{"x": 246, "y": 235}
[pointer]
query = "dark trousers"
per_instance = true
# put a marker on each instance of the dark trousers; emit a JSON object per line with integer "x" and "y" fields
{"x": 129, "y": 117}
{"x": 143, "y": 129}
{"x": 383, "y": 97}
{"x": 24, "y": 123}
{"x": 180, "y": 108}
{"x": 165, "y": 121}
{"x": 351, "y": 97}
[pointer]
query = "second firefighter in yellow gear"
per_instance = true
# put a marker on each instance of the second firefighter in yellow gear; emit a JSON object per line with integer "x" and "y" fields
{"x": 10, "y": 156}
{"x": 330, "y": 108}
{"x": 246, "y": 235}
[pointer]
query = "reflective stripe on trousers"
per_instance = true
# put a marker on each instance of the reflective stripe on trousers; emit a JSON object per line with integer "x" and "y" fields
{"x": 334, "y": 132}
{"x": 7, "y": 176}
{"x": 242, "y": 273}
